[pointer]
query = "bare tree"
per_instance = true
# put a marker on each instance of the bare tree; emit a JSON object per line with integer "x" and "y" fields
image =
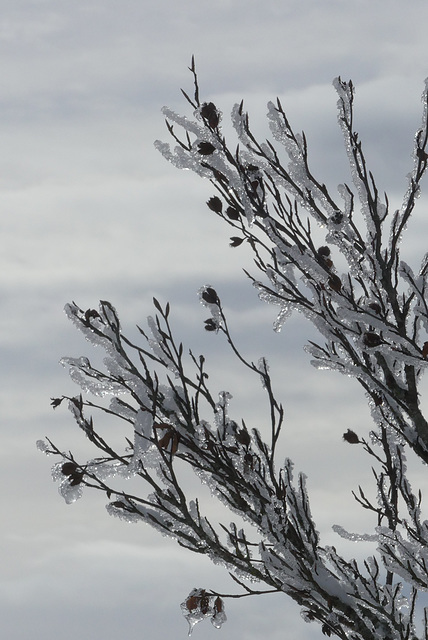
{"x": 372, "y": 321}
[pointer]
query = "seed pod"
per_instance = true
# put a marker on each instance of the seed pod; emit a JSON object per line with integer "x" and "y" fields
{"x": 371, "y": 339}
{"x": 335, "y": 283}
{"x": 215, "y": 204}
{"x": 192, "y": 603}
{"x": 210, "y": 325}
{"x": 351, "y": 437}
{"x": 218, "y": 604}
{"x": 206, "y": 148}
{"x": 75, "y": 478}
{"x": 243, "y": 437}
{"x": 210, "y": 296}
{"x": 91, "y": 313}
{"x": 205, "y": 604}
{"x": 232, "y": 213}
{"x": 68, "y": 468}
{"x": 118, "y": 505}
{"x": 55, "y": 402}
{"x": 210, "y": 114}
{"x": 324, "y": 251}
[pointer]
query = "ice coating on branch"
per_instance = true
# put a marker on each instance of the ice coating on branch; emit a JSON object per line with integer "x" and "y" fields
{"x": 354, "y": 537}
{"x": 407, "y": 558}
{"x": 90, "y": 379}
{"x": 42, "y": 446}
{"x": 156, "y": 345}
{"x": 143, "y": 432}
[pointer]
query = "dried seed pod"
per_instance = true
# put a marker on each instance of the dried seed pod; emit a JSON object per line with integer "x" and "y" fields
{"x": 204, "y": 604}
{"x": 206, "y": 148}
{"x": 55, "y": 402}
{"x": 210, "y": 296}
{"x": 243, "y": 437}
{"x": 68, "y": 468}
{"x": 91, "y": 313}
{"x": 210, "y": 325}
{"x": 118, "y": 505}
{"x": 232, "y": 213}
{"x": 324, "y": 251}
{"x": 75, "y": 478}
{"x": 351, "y": 437}
{"x": 192, "y": 603}
{"x": 371, "y": 339}
{"x": 335, "y": 283}
{"x": 210, "y": 114}
{"x": 215, "y": 204}
{"x": 218, "y": 605}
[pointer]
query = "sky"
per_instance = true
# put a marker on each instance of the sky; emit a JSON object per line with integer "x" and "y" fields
{"x": 90, "y": 211}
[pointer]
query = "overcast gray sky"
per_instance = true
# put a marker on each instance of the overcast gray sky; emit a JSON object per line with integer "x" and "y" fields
{"x": 91, "y": 211}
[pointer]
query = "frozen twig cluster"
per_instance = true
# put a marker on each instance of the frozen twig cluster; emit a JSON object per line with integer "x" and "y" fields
{"x": 373, "y": 326}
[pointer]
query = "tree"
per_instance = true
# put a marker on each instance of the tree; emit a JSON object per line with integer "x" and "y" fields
{"x": 372, "y": 321}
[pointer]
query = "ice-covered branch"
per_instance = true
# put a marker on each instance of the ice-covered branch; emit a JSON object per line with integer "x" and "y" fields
{"x": 371, "y": 316}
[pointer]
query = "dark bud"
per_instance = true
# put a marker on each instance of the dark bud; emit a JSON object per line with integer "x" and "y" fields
{"x": 118, "y": 505}
{"x": 243, "y": 437}
{"x": 210, "y": 325}
{"x": 425, "y": 350}
{"x": 324, "y": 251}
{"x": 235, "y": 241}
{"x": 206, "y": 148}
{"x": 55, "y": 402}
{"x": 326, "y": 630}
{"x": 91, "y": 313}
{"x": 334, "y": 282}
{"x": 374, "y": 306}
{"x": 75, "y": 478}
{"x": 323, "y": 254}
{"x": 371, "y": 339}
{"x": 351, "y": 437}
{"x": 210, "y": 114}
{"x": 215, "y": 204}
{"x": 337, "y": 217}
{"x": 210, "y": 296}
{"x": 232, "y": 213}
{"x": 68, "y": 468}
